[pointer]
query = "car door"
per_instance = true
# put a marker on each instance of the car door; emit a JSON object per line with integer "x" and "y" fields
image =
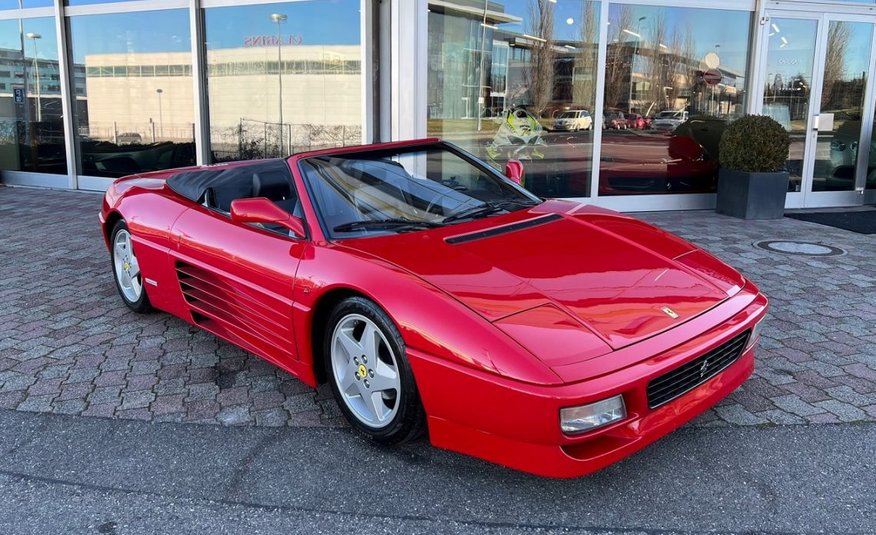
{"x": 237, "y": 279}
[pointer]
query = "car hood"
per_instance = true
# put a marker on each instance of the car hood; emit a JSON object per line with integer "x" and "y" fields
{"x": 620, "y": 278}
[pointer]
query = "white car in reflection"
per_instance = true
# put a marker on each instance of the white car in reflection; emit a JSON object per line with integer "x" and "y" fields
{"x": 669, "y": 120}
{"x": 574, "y": 120}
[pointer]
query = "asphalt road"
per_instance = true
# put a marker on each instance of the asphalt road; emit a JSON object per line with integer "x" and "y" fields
{"x": 61, "y": 474}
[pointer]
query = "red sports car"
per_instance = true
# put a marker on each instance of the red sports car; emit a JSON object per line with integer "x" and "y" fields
{"x": 432, "y": 293}
{"x": 634, "y": 120}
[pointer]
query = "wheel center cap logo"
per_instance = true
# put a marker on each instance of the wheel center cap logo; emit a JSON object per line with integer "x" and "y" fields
{"x": 363, "y": 371}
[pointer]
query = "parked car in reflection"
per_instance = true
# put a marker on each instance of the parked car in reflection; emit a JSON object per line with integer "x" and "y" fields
{"x": 634, "y": 120}
{"x": 669, "y": 120}
{"x": 574, "y": 120}
{"x": 706, "y": 130}
{"x": 844, "y": 157}
{"x": 638, "y": 165}
{"x": 614, "y": 120}
{"x": 103, "y": 158}
{"x": 129, "y": 138}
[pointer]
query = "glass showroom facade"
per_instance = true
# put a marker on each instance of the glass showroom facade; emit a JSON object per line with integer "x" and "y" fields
{"x": 620, "y": 103}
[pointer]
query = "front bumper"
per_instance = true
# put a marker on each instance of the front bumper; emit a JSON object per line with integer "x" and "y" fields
{"x": 517, "y": 424}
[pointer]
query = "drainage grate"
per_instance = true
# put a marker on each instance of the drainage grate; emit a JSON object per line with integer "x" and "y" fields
{"x": 801, "y": 248}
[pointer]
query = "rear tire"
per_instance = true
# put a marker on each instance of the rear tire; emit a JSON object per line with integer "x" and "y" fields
{"x": 369, "y": 373}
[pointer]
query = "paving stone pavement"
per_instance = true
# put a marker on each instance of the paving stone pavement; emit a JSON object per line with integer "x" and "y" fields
{"x": 70, "y": 346}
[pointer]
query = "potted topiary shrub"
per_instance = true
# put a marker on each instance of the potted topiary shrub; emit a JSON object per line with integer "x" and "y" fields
{"x": 752, "y": 180}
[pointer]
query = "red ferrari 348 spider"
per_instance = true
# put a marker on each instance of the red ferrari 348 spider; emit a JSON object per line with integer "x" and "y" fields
{"x": 433, "y": 293}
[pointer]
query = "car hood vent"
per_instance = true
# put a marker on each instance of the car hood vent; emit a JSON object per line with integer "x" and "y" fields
{"x": 506, "y": 229}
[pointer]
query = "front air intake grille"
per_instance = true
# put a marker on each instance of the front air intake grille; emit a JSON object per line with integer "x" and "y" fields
{"x": 685, "y": 378}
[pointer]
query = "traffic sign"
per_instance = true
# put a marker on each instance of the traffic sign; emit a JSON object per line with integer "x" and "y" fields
{"x": 712, "y": 76}
{"x": 18, "y": 95}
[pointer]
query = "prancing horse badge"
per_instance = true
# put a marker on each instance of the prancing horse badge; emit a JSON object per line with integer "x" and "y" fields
{"x": 669, "y": 312}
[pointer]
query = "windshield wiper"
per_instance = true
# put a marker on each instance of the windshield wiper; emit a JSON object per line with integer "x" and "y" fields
{"x": 384, "y": 224}
{"x": 487, "y": 208}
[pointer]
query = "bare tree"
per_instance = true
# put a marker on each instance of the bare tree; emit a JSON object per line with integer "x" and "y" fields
{"x": 835, "y": 63}
{"x": 541, "y": 70}
{"x": 584, "y": 73}
{"x": 680, "y": 66}
{"x": 659, "y": 67}
{"x": 618, "y": 58}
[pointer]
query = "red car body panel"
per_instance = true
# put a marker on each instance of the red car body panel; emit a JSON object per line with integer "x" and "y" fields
{"x": 614, "y": 287}
{"x": 516, "y": 325}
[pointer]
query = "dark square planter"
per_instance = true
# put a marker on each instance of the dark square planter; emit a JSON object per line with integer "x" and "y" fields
{"x": 752, "y": 195}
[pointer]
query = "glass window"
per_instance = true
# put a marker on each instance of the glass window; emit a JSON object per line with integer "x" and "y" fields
{"x": 257, "y": 111}
{"x": 128, "y": 123}
{"x": 842, "y": 95}
{"x": 674, "y": 78}
{"x": 86, "y": 2}
{"x": 25, "y": 4}
{"x": 31, "y": 126}
{"x": 499, "y": 80}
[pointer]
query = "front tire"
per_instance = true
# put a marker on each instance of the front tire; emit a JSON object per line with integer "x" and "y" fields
{"x": 369, "y": 373}
{"x": 126, "y": 270}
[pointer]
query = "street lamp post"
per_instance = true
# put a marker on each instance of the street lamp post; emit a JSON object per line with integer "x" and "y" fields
{"x": 280, "y": 18}
{"x": 36, "y": 68}
{"x": 481, "y": 77}
{"x": 160, "y": 114}
{"x": 715, "y": 96}
{"x": 638, "y": 36}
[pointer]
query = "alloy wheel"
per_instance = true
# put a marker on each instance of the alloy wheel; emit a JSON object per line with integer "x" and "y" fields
{"x": 127, "y": 269}
{"x": 365, "y": 370}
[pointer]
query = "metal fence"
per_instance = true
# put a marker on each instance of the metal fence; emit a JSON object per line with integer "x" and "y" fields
{"x": 122, "y": 133}
{"x": 251, "y": 139}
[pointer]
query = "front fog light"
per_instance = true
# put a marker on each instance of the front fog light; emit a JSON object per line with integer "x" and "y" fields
{"x": 574, "y": 420}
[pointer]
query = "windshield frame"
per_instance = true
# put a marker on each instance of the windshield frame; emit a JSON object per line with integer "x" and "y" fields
{"x": 391, "y": 149}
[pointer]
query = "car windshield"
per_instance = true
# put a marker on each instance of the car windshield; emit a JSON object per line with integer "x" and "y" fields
{"x": 389, "y": 191}
{"x": 669, "y": 114}
{"x": 569, "y": 115}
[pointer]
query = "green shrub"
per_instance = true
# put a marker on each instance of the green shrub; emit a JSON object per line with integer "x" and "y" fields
{"x": 754, "y": 143}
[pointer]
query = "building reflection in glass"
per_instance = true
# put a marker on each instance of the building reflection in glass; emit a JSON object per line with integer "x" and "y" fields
{"x": 674, "y": 77}
{"x": 31, "y": 129}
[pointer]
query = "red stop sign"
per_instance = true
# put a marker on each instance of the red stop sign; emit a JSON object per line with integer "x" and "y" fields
{"x": 712, "y": 76}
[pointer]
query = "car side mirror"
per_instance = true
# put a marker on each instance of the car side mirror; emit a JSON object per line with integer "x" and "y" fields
{"x": 262, "y": 210}
{"x": 514, "y": 171}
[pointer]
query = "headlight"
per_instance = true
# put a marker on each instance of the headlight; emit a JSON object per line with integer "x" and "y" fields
{"x": 575, "y": 420}
{"x": 755, "y": 333}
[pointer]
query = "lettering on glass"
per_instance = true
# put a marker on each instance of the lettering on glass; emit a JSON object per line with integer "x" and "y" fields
{"x": 254, "y": 41}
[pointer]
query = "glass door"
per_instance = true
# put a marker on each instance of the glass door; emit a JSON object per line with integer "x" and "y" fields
{"x": 817, "y": 72}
